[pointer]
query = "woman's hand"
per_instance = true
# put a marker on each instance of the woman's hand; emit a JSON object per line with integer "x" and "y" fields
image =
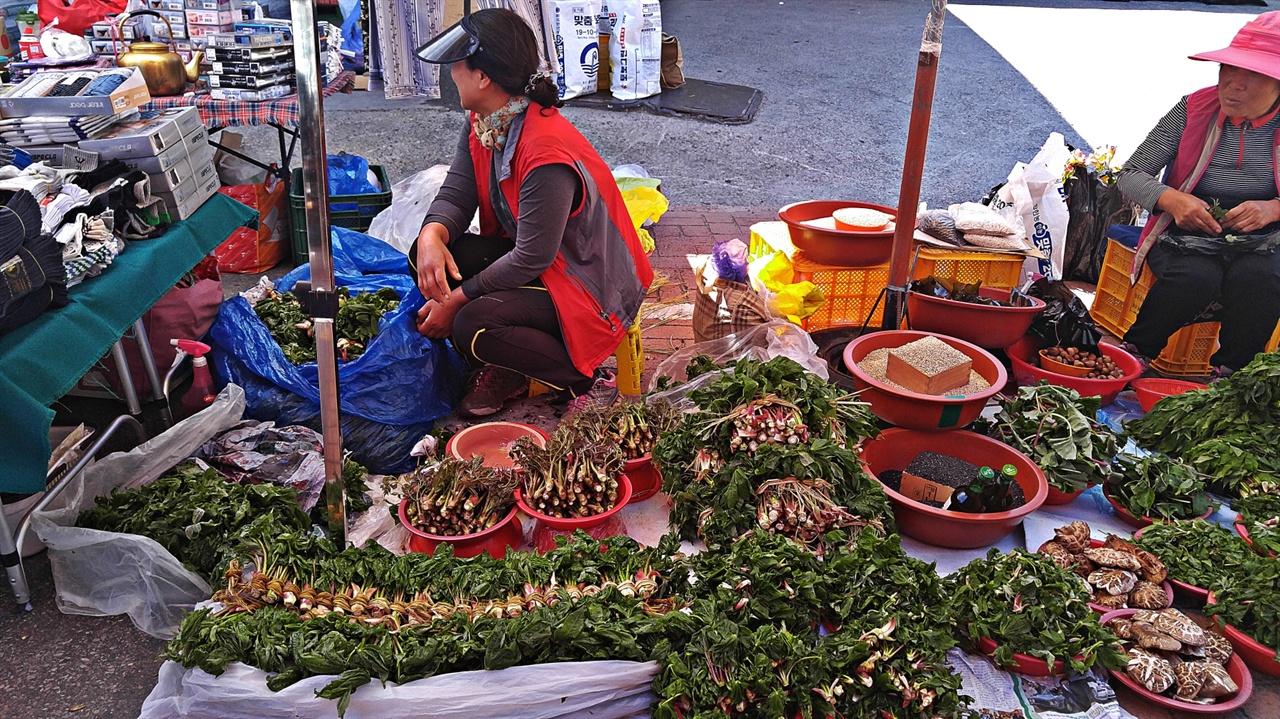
{"x": 433, "y": 262}
{"x": 1253, "y": 215}
{"x": 435, "y": 319}
{"x": 1188, "y": 211}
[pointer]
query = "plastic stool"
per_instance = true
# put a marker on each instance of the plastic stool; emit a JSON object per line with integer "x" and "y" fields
{"x": 630, "y": 354}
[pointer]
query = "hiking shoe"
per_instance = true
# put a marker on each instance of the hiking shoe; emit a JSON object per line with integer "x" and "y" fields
{"x": 491, "y": 387}
{"x": 603, "y": 393}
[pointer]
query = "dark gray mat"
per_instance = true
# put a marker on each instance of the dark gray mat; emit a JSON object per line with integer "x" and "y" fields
{"x": 718, "y": 102}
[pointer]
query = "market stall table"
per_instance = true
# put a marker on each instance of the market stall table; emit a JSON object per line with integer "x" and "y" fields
{"x": 282, "y": 114}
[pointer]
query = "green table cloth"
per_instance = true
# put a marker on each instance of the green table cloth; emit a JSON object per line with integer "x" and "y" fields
{"x": 43, "y": 360}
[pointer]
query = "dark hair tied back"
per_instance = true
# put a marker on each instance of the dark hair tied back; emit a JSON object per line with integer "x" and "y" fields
{"x": 508, "y": 54}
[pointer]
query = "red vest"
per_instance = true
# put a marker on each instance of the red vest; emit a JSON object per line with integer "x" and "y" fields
{"x": 599, "y": 277}
{"x": 1200, "y": 138}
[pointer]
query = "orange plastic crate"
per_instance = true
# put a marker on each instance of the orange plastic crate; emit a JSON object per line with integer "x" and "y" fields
{"x": 999, "y": 270}
{"x": 1116, "y": 304}
{"x": 1189, "y": 350}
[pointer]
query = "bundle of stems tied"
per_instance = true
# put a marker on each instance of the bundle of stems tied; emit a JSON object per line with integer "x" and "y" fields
{"x": 575, "y": 475}
{"x": 455, "y": 497}
{"x": 633, "y": 426}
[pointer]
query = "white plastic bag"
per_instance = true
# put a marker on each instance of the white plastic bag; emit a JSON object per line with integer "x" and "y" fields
{"x": 1033, "y": 194}
{"x": 566, "y": 690}
{"x": 399, "y": 224}
{"x": 635, "y": 49}
{"x": 103, "y": 574}
{"x": 777, "y": 338}
{"x": 574, "y": 24}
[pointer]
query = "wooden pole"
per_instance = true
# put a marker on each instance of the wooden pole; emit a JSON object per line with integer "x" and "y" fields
{"x": 913, "y": 166}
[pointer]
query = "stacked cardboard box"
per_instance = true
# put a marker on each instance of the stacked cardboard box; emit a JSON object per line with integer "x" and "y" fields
{"x": 254, "y": 62}
{"x": 173, "y": 148}
{"x": 210, "y": 17}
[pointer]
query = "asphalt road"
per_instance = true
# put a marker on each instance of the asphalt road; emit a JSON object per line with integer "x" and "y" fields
{"x": 837, "y": 77}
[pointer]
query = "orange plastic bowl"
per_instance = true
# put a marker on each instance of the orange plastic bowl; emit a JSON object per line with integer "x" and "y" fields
{"x": 495, "y": 540}
{"x": 1153, "y": 389}
{"x": 854, "y": 227}
{"x": 1053, "y": 365}
{"x": 1235, "y": 668}
{"x": 1259, "y": 656}
{"x": 895, "y": 448}
{"x": 983, "y": 325}
{"x": 1022, "y": 355}
{"x": 644, "y": 476}
{"x": 571, "y": 523}
{"x": 492, "y": 440}
{"x": 913, "y": 410}
{"x": 1023, "y": 663}
{"x": 835, "y": 247}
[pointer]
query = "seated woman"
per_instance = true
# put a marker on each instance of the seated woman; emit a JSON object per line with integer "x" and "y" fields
{"x": 1215, "y": 219}
{"x": 550, "y": 286}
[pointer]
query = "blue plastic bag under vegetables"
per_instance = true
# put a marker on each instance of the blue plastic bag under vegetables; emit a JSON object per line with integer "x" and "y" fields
{"x": 390, "y": 396}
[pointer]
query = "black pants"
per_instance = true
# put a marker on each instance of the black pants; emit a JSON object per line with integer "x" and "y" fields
{"x": 516, "y": 329}
{"x": 1247, "y": 285}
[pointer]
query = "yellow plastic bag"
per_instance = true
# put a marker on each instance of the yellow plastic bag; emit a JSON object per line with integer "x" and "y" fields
{"x": 645, "y": 204}
{"x": 788, "y": 298}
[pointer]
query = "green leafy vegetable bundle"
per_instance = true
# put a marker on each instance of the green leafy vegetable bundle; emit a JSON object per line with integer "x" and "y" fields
{"x": 1029, "y": 605}
{"x": 1215, "y": 430}
{"x": 1058, "y": 429}
{"x": 1260, "y": 516}
{"x": 1200, "y": 553}
{"x": 198, "y": 516}
{"x": 355, "y": 324}
{"x": 1159, "y": 487}
{"x": 1252, "y": 605}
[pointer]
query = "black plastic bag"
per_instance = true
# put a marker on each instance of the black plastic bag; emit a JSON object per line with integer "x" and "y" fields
{"x": 1065, "y": 321}
{"x": 1092, "y": 207}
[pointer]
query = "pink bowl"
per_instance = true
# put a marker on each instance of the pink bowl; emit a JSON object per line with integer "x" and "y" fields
{"x": 913, "y": 410}
{"x": 983, "y": 325}
{"x": 1023, "y": 353}
{"x": 495, "y": 540}
{"x": 1235, "y": 668}
{"x": 895, "y": 448}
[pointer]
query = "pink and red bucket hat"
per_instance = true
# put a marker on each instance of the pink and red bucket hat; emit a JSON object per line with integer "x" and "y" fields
{"x": 1256, "y": 47}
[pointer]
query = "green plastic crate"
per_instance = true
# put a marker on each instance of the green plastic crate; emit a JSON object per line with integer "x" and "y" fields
{"x": 354, "y": 212}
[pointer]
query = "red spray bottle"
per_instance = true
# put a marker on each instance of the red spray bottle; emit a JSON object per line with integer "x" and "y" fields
{"x": 201, "y": 394}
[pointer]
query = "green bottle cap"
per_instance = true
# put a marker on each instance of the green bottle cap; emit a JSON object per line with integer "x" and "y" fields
{"x": 987, "y": 473}
{"x": 1009, "y": 471}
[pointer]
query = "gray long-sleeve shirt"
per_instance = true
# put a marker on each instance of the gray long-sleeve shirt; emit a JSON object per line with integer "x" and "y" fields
{"x": 547, "y": 196}
{"x": 1235, "y": 174}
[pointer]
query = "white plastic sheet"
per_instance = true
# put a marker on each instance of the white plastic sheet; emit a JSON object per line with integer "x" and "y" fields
{"x": 108, "y": 573}
{"x": 569, "y": 690}
{"x": 399, "y": 224}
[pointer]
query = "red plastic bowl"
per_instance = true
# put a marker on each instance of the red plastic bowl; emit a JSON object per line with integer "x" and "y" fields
{"x": 572, "y": 523}
{"x": 492, "y": 440}
{"x": 1153, "y": 389}
{"x": 644, "y": 476}
{"x": 1168, "y": 588}
{"x": 1244, "y": 534}
{"x": 1058, "y": 497}
{"x": 1259, "y": 656}
{"x": 1023, "y": 353}
{"x": 983, "y": 325}
{"x": 895, "y": 448}
{"x": 837, "y": 248}
{"x": 1189, "y": 592}
{"x": 495, "y": 540}
{"x": 1123, "y": 514}
{"x": 913, "y": 410}
{"x": 1235, "y": 668}
{"x": 1024, "y": 664}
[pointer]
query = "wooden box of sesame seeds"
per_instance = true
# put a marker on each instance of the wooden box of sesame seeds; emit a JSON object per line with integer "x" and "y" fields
{"x": 928, "y": 366}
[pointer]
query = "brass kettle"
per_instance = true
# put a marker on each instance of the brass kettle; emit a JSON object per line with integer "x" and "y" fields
{"x": 160, "y": 65}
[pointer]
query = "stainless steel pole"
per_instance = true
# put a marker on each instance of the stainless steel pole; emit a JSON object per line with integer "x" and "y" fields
{"x": 315, "y": 187}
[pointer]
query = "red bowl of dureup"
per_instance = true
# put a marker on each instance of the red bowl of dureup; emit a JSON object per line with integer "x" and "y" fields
{"x": 913, "y": 410}
{"x": 493, "y": 442}
{"x": 1023, "y": 356}
{"x": 896, "y": 448}
{"x": 644, "y": 477}
{"x": 832, "y": 246}
{"x": 984, "y": 325}
{"x": 1259, "y": 656}
{"x": 495, "y": 540}
{"x": 1236, "y": 668}
{"x": 1023, "y": 663}
{"x": 1153, "y": 389}
{"x": 572, "y": 523}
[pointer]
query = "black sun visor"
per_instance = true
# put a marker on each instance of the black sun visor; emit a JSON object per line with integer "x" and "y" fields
{"x": 454, "y": 44}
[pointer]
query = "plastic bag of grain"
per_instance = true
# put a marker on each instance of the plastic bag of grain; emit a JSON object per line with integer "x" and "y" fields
{"x": 635, "y": 49}
{"x": 577, "y": 46}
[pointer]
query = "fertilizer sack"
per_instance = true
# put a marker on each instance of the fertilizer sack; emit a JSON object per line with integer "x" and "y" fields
{"x": 635, "y": 49}
{"x": 574, "y": 23}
